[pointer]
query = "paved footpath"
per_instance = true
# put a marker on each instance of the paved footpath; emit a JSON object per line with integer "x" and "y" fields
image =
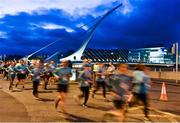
{"x": 11, "y": 109}
{"x": 24, "y": 107}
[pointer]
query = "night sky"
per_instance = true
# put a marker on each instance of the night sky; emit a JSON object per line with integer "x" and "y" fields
{"x": 28, "y": 25}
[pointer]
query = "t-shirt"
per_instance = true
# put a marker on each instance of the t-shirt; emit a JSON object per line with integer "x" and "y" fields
{"x": 12, "y": 70}
{"x": 1, "y": 66}
{"x": 36, "y": 73}
{"x": 64, "y": 74}
{"x": 21, "y": 69}
{"x": 111, "y": 69}
{"x": 140, "y": 82}
{"x": 47, "y": 70}
{"x": 121, "y": 85}
{"x": 52, "y": 66}
{"x": 101, "y": 78}
{"x": 85, "y": 76}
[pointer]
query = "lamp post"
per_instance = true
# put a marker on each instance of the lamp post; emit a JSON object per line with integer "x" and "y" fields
{"x": 177, "y": 61}
{"x": 4, "y": 57}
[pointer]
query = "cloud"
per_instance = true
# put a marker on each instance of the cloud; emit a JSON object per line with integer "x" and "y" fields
{"x": 139, "y": 23}
{"x": 81, "y": 25}
{"x": 75, "y": 8}
{"x": 3, "y": 34}
{"x": 15, "y": 6}
{"x": 54, "y": 26}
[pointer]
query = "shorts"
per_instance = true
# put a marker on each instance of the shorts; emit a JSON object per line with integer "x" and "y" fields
{"x": 63, "y": 88}
{"x": 118, "y": 104}
{"x": 21, "y": 76}
{"x": 12, "y": 76}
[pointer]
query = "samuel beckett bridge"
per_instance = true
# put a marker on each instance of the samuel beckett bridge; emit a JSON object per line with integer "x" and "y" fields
{"x": 158, "y": 58}
{"x": 150, "y": 56}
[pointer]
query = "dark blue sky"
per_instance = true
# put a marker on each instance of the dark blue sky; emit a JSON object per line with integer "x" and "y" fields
{"x": 27, "y": 26}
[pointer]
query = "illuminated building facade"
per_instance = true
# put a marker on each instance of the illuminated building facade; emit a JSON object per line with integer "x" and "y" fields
{"x": 151, "y": 55}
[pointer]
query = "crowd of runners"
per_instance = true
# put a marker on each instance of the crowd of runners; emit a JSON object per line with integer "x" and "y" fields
{"x": 124, "y": 89}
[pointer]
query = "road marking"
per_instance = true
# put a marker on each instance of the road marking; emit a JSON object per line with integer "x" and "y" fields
{"x": 168, "y": 115}
{"x": 135, "y": 108}
{"x": 142, "y": 115}
{"x": 156, "y": 110}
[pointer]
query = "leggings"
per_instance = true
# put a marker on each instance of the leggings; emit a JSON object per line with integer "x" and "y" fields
{"x": 103, "y": 85}
{"x": 11, "y": 77}
{"x": 85, "y": 94}
{"x": 35, "y": 87}
{"x": 144, "y": 99}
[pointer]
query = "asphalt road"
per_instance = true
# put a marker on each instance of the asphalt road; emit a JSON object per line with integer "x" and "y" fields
{"x": 173, "y": 94}
{"x": 42, "y": 109}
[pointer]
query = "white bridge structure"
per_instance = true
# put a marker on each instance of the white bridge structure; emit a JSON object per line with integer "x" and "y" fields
{"x": 76, "y": 56}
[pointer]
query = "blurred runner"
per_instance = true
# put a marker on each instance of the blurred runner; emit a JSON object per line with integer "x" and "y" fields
{"x": 121, "y": 85}
{"x": 12, "y": 74}
{"x": 141, "y": 86}
{"x": 63, "y": 75}
{"x": 85, "y": 80}
{"x": 100, "y": 80}
{"x": 36, "y": 72}
{"x": 21, "y": 69}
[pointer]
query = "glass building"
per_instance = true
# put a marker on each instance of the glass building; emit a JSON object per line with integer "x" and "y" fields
{"x": 151, "y": 55}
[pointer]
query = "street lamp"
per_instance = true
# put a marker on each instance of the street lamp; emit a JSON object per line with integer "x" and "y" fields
{"x": 175, "y": 51}
{"x": 177, "y": 61}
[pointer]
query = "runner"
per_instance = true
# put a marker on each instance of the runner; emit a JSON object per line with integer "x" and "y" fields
{"x": 85, "y": 80}
{"x": 121, "y": 85}
{"x": 141, "y": 86}
{"x": 63, "y": 75}
{"x": 36, "y": 73}
{"x": 52, "y": 65}
{"x": 1, "y": 67}
{"x": 12, "y": 74}
{"x": 5, "y": 68}
{"x": 21, "y": 69}
{"x": 47, "y": 70}
{"x": 100, "y": 81}
{"x": 110, "y": 68}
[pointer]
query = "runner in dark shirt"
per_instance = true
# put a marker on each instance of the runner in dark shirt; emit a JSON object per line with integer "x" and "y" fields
{"x": 121, "y": 90}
